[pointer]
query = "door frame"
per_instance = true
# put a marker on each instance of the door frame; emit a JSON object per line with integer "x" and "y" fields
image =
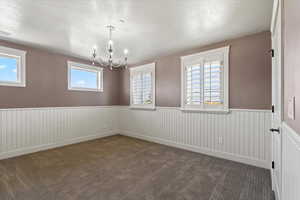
{"x": 277, "y": 15}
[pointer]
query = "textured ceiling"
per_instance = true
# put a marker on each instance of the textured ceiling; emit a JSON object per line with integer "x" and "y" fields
{"x": 151, "y": 27}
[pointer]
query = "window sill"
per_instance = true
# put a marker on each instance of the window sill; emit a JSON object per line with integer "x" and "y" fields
{"x": 223, "y": 111}
{"x": 12, "y": 84}
{"x": 85, "y": 90}
{"x": 142, "y": 107}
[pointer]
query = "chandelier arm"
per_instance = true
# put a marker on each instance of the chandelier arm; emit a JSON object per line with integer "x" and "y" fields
{"x": 117, "y": 66}
{"x": 122, "y": 64}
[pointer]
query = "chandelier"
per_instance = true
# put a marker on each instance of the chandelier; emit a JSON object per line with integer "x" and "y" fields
{"x": 109, "y": 62}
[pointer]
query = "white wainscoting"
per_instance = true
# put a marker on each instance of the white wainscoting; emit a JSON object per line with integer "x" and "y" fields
{"x": 290, "y": 164}
{"x": 241, "y": 135}
{"x": 33, "y": 129}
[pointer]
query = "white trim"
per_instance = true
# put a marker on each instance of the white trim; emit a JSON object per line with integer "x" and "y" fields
{"x": 57, "y": 108}
{"x": 251, "y": 110}
{"x": 290, "y": 164}
{"x": 20, "y": 55}
{"x": 145, "y": 107}
{"x": 198, "y": 58}
{"x": 293, "y": 134}
{"x": 218, "y": 154}
{"x": 143, "y": 68}
{"x": 208, "y": 53}
{"x": 277, "y": 100}
{"x": 224, "y": 111}
{"x": 274, "y": 15}
{"x": 122, "y": 106}
{"x": 34, "y": 149}
{"x": 229, "y": 110}
{"x": 84, "y": 67}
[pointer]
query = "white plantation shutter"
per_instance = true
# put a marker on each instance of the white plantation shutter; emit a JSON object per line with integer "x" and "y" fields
{"x": 142, "y": 88}
{"x": 213, "y": 93}
{"x": 137, "y": 89}
{"x": 147, "y": 88}
{"x": 194, "y": 85}
{"x": 204, "y": 83}
{"x": 142, "y": 85}
{"x": 205, "y": 80}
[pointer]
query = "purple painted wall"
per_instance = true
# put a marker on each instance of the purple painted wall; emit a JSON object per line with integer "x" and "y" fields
{"x": 47, "y": 83}
{"x": 291, "y": 21}
{"x": 250, "y": 74}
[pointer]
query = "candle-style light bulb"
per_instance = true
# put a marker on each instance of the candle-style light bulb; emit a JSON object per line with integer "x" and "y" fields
{"x": 126, "y": 51}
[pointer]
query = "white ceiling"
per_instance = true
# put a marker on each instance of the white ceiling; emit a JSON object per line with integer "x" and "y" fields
{"x": 151, "y": 28}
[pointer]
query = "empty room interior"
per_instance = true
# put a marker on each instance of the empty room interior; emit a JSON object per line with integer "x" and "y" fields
{"x": 149, "y": 100}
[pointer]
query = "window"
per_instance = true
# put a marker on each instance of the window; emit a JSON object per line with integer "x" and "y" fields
{"x": 12, "y": 67}
{"x": 142, "y": 86}
{"x": 205, "y": 80}
{"x": 84, "y": 77}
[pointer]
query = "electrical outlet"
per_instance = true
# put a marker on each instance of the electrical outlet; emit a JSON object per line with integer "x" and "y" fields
{"x": 220, "y": 140}
{"x": 291, "y": 108}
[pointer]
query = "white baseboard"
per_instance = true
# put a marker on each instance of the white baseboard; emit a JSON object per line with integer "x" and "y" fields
{"x": 196, "y": 149}
{"x": 33, "y": 149}
{"x": 276, "y": 192}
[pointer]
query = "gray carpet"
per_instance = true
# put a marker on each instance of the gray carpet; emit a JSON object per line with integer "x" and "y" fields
{"x": 122, "y": 168}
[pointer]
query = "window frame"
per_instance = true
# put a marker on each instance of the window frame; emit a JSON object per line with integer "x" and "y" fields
{"x": 20, "y": 56}
{"x": 89, "y": 68}
{"x": 199, "y": 58}
{"x": 139, "y": 69}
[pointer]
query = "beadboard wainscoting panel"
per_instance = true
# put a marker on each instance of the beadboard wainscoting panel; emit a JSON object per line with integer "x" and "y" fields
{"x": 290, "y": 164}
{"x": 29, "y": 130}
{"x": 241, "y": 135}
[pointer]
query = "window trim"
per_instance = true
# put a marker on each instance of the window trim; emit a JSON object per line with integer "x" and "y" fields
{"x": 85, "y": 67}
{"x": 195, "y": 59}
{"x": 143, "y": 68}
{"x": 21, "y": 66}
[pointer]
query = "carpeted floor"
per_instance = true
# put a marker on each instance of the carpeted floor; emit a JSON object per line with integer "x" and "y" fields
{"x": 123, "y": 168}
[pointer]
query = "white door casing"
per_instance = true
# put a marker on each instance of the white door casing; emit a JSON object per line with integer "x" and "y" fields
{"x": 276, "y": 100}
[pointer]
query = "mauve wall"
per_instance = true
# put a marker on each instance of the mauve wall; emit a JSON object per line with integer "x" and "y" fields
{"x": 292, "y": 59}
{"x": 47, "y": 83}
{"x": 46, "y": 78}
{"x": 250, "y": 74}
